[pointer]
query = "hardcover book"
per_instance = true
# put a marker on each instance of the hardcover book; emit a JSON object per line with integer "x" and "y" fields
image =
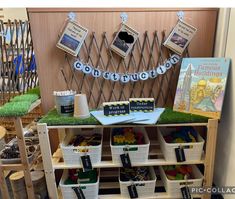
{"x": 201, "y": 86}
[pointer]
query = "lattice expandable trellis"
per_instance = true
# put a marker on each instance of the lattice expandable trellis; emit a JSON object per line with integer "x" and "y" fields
{"x": 17, "y": 61}
{"x": 147, "y": 53}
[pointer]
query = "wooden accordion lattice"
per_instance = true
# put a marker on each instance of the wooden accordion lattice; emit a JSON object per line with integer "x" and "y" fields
{"x": 17, "y": 61}
{"x": 17, "y": 66}
{"x": 147, "y": 53}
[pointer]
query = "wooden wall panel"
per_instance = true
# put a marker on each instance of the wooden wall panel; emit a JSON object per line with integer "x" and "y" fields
{"x": 46, "y": 25}
{"x": 1, "y": 13}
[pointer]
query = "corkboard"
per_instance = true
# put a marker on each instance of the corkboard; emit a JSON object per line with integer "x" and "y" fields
{"x": 47, "y": 23}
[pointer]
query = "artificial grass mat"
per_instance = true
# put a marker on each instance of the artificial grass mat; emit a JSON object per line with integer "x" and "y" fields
{"x": 12, "y": 109}
{"x": 19, "y": 105}
{"x": 168, "y": 116}
{"x": 27, "y": 97}
{"x": 35, "y": 91}
{"x": 53, "y": 118}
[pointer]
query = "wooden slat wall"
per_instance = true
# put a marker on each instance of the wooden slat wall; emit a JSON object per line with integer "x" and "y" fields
{"x": 46, "y": 25}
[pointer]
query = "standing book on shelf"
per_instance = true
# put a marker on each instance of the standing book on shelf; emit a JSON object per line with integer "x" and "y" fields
{"x": 201, "y": 86}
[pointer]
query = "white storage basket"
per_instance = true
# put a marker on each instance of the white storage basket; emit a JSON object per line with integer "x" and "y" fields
{"x": 192, "y": 151}
{"x": 90, "y": 190}
{"x": 137, "y": 153}
{"x": 144, "y": 189}
{"x": 173, "y": 186}
{"x": 72, "y": 155}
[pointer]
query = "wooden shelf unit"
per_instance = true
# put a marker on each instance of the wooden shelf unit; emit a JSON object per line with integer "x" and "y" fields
{"x": 24, "y": 165}
{"x": 53, "y": 162}
{"x": 45, "y": 30}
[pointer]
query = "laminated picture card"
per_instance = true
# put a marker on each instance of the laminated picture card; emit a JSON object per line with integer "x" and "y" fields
{"x": 72, "y": 38}
{"x": 124, "y": 40}
{"x": 180, "y": 37}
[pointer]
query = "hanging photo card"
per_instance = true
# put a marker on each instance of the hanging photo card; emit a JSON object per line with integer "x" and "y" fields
{"x": 142, "y": 104}
{"x": 180, "y": 37}
{"x": 124, "y": 40}
{"x": 72, "y": 38}
{"x": 116, "y": 108}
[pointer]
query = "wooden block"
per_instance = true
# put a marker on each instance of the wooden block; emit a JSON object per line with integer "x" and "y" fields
{"x": 39, "y": 183}
{"x": 2, "y": 132}
{"x": 18, "y": 185}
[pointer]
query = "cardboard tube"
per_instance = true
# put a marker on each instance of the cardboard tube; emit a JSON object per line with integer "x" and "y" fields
{"x": 81, "y": 109}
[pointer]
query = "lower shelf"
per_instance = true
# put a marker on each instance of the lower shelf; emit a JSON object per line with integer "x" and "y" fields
{"x": 162, "y": 195}
{"x": 112, "y": 186}
{"x": 155, "y": 196}
{"x": 58, "y": 163}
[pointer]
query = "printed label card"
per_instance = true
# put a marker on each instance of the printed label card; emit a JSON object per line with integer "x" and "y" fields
{"x": 142, "y": 104}
{"x": 116, "y": 108}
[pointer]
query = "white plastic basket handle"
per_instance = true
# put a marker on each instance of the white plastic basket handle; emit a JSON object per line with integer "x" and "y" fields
{"x": 126, "y": 149}
{"x": 186, "y": 183}
{"x": 185, "y": 146}
{"x": 81, "y": 151}
{"x": 129, "y": 148}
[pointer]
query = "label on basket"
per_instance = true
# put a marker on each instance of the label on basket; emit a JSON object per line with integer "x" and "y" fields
{"x": 132, "y": 191}
{"x": 185, "y": 192}
{"x": 67, "y": 109}
{"x": 180, "y": 156}
{"x": 79, "y": 193}
{"x": 86, "y": 163}
{"x": 126, "y": 162}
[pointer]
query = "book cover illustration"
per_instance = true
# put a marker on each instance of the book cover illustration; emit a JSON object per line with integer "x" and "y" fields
{"x": 201, "y": 86}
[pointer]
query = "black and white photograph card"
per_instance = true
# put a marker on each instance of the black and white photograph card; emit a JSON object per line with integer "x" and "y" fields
{"x": 124, "y": 40}
{"x": 72, "y": 38}
{"x": 180, "y": 37}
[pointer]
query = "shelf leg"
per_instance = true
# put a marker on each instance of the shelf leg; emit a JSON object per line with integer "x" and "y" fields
{"x": 210, "y": 154}
{"x": 24, "y": 157}
{"x": 3, "y": 185}
{"x": 47, "y": 160}
{"x": 61, "y": 134}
